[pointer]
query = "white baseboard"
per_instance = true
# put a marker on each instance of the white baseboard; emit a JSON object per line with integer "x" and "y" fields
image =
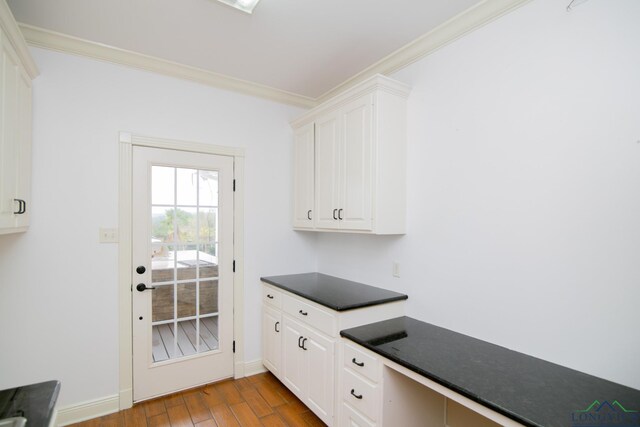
{"x": 87, "y": 410}
{"x": 254, "y": 367}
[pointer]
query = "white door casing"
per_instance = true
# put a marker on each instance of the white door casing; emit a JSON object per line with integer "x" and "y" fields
{"x": 153, "y": 378}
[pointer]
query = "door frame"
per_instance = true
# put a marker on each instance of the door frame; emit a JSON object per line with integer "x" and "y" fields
{"x": 126, "y": 143}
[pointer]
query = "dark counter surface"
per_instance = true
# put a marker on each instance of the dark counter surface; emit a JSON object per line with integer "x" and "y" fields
{"x": 35, "y": 402}
{"x": 529, "y": 390}
{"x": 333, "y": 292}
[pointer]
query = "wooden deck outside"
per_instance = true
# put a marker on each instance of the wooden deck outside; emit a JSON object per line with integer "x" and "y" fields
{"x": 260, "y": 400}
{"x": 163, "y": 338}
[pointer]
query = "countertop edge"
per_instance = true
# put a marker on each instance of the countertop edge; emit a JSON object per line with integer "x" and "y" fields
{"x": 400, "y": 297}
{"x": 441, "y": 381}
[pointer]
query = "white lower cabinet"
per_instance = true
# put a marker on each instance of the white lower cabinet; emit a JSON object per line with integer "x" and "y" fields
{"x": 349, "y": 417}
{"x": 300, "y": 347}
{"x": 360, "y": 387}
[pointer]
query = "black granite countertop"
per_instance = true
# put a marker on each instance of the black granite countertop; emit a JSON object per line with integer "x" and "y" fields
{"x": 35, "y": 402}
{"x": 333, "y": 292}
{"x": 529, "y": 390}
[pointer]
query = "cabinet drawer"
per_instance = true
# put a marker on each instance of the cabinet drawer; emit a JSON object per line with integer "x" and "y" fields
{"x": 361, "y": 362}
{"x": 271, "y": 297}
{"x": 349, "y": 417}
{"x": 360, "y": 394}
{"x": 310, "y": 315}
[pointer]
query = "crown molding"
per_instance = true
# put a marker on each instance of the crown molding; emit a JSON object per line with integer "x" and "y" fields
{"x": 10, "y": 28}
{"x": 451, "y": 30}
{"x": 40, "y": 37}
{"x": 447, "y": 32}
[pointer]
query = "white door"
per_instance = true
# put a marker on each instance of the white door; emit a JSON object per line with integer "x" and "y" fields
{"x": 303, "y": 177}
{"x": 328, "y": 142}
{"x": 182, "y": 278}
{"x": 356, "y": 203}
{"x": 272, "y": 339}
{"x": 319, "y": 366}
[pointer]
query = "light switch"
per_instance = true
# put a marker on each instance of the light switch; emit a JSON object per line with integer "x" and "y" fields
{"x": 108, "y": 235}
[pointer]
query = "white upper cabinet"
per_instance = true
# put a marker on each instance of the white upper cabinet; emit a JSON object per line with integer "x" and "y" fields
{"x": 16, "y": 70}
{"x": 360, "y": 158}
{"x": 303, "y": 177}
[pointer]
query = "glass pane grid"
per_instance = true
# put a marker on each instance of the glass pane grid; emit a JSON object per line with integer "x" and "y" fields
{"x": 184, "y": 244}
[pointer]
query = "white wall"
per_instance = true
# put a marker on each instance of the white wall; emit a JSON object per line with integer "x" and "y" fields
{"x": 523, "y": 189}
{"x": 58, "y": 285}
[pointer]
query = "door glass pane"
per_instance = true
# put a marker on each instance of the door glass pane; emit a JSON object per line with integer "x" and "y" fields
{"x": 184, "y": 221}
{"x": 208, "y": 297}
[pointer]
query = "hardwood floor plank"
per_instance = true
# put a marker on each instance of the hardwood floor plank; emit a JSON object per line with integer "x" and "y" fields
{"x": 211, "y": 396}
{"x": 229, "y": 392}
{"x": 312, "y": 419}
{"x": 223, "y": 416}
{"x": 135, "y": 416}
{"x": 197, "y": 408}
{"x": 273, "y": 420}
{"x": 270, "y": 394}
{"x": 161, "y": 420}
{"x": 209, "y": 423}
{"x": 291, "y": 416}
{"x": 173, "y": 400}
{"x": 256, "y": 402}
{"x": 179, "y": 416}
{"x": 243, "y": 383}
{"x": 245, "y": 416}
{"x": 154, "y": 407}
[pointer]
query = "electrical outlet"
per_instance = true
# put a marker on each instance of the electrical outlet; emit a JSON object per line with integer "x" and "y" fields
{"x": 108, "y": 235}
{"x": 395, "y": 271}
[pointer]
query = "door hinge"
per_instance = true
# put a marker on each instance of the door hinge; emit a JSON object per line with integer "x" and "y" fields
{"x": 234, "y": 185}
{"x": 234, "y": 346}
{"x": 234, "y": 265}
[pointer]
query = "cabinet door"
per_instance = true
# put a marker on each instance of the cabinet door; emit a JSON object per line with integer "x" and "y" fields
{"x": 357, "y": 161}
{"x": 271, "y": 339}
{"x": 328, "y": 142}
{"x": 9, "y": 143}
{"x": 319, "y": 365}
{"x": 303, "y": 177}
{"x": 294, "y": 373}
{"x": 23, "y": 183}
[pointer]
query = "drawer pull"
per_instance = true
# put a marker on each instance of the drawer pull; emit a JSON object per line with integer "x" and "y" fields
{"x": 275, "y": 326}
{"x": 334, "y": 214}
{"x": 304, "y": 313}
{"x": 269, "y": 296}
{"x": 357, "y": 396}
{"x": 300, "y": 338}
{"x": 361, "y": 364}
{"x": 304, "y": 340}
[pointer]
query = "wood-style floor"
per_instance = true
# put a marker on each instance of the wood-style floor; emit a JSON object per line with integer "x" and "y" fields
{"x": 260, "y": 400}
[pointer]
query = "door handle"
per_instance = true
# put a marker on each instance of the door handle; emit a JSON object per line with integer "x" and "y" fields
{"x": 22, "y": 207}
{"x": 275, "y": 326}
{"x": 142, "y": 287}
{"x": 304, "y": 340}
{"x": 309, "y": 214}
{"x": 334, "y": 214}
{"x": 340, "y": 214}
{"x": 355, "y": 362}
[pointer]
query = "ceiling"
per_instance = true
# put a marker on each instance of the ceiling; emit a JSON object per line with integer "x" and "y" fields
{"x": 306, "y": 47}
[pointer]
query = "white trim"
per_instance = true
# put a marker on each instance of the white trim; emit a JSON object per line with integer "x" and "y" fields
{"x": 126, "y": 142}
{"x": 87, "y": 410}
{"x": 53, "y": 40}
{"x": 254, "y": 367}
{"x": 445, "y": 33}
{"x": 456, "y": 27}
{"x": 10, "y": 28}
